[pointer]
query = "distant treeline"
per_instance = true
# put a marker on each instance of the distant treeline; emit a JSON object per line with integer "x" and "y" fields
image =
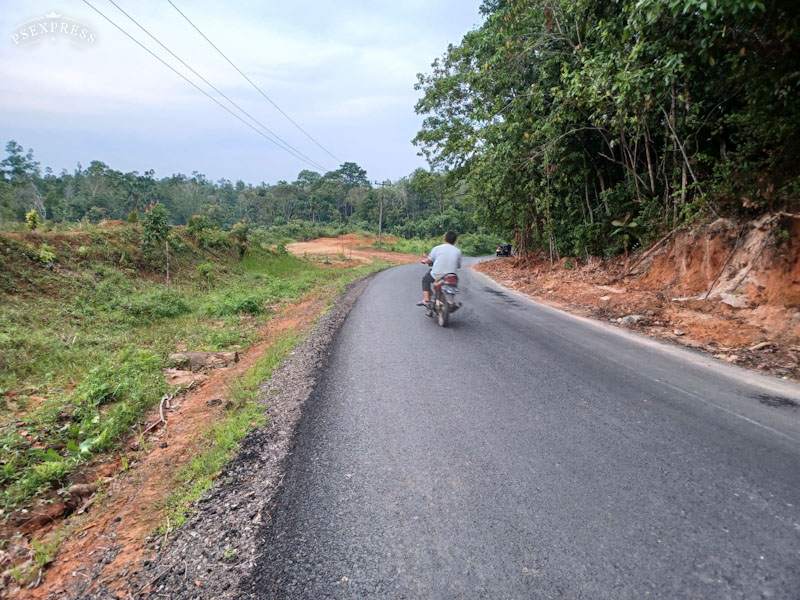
{"x": 590, "y": 126}
{"x": 420, "y": 205}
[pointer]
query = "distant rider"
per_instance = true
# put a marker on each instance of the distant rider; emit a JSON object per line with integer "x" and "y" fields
{"x": 443, "y": 259}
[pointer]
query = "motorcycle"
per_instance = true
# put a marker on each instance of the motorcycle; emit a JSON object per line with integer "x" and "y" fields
{"x": 443, "y": 303}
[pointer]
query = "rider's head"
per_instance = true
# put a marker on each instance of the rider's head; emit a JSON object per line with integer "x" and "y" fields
{"x": 450, "y": 237}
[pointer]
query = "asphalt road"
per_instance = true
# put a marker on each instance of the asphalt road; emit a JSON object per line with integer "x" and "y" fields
{"x": 526, "y": 453}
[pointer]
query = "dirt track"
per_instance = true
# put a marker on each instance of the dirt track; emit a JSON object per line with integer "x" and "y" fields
{"x": 350, "y": 247}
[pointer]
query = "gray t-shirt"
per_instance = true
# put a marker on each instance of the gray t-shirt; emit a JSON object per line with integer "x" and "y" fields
{"x": 446, "y": 259}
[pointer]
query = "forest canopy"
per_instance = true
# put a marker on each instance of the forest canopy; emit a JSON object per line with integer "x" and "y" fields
{"x": 422, "y": 204}
{"x": 589, "y": 126}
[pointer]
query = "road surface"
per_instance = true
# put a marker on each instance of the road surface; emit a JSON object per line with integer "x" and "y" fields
{"x": 526, "y": 453}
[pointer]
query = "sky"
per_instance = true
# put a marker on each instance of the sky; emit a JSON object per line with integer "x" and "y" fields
{"x": 344, "y": 70}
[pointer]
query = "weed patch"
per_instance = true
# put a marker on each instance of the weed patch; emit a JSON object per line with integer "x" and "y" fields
{"x": 161, "y": 304}
{"x": 102, "y": 409}
{"x": 236, "y": 302}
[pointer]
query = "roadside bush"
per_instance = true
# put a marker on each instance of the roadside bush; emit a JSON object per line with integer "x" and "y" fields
{"x": 32, "y": 219}
{"x": 207, "y": 235}
{"x": 478, "y": 244}
{"x": 155, "y": 229}
{"x": 46, "y": 255}
{"x": 155, "y": 226}
{"x": 206, "y": 272}
{"x": 471, "y": 244}
{"x": 413, "y": 246}
{"x": 450, "y": 219}
{"x": 197, "y": 224}
{"x": 240, "y": 233}
{"x": 213, "y": 238}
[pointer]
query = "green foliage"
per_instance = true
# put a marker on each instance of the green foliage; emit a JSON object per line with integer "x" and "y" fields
{"x": 155, "y": 226}
{"x": 425, "y": 203}
{"x": 451, "y": 219}
{"x": 240, "y": 233}
{"x": 112, "y": 397}
{"x": 213, "y": 238}
{"x": 236, "y": 302}
{"x": 471, "y": 244}
{"x": 296, "y": 230}
{"x": 44, "y": 552}
{"x": 479, "y": 244}
{"x": 46, "y": 255}
{"x": 198, "y": 224}
{"x": 32, "y": 219}
{"x": 208, "y": 235}
{"x": 206, "y": 272}
{"x": 412, "y": 246}
{"x": 562, "y": 118}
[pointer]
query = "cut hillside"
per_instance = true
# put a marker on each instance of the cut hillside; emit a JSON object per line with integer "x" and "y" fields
{"x": 728, "y": 288}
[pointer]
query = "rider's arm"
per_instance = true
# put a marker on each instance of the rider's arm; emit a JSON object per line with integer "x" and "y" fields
{"x": 431, "y": 257}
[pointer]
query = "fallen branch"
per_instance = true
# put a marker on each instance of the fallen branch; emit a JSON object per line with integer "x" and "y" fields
{"x": 751, "y": 265}
{"x": 727, "y": 260}
{"x": 650, "y": 251}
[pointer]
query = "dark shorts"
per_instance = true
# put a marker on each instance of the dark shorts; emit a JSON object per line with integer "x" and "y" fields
{"x": 427, "y": 282}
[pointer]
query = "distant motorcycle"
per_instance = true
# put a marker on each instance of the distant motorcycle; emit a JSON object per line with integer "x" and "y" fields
{"x": 504, "y": 250}
{"x": 444, "y": 303}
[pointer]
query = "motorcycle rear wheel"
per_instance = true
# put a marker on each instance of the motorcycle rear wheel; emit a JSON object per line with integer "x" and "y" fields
{"x": 444, "y": 314}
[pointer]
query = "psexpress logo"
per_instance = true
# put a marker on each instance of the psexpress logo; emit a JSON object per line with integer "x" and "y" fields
{"x": 53, "y": 26}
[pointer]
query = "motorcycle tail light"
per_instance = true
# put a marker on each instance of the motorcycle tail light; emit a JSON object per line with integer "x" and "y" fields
{"x": 451, "y": 279}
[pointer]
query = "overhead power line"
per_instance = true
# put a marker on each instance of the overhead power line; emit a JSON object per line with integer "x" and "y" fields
{"x": 256, "y": 87}
{"x": 287, "y": 146}
{"x": 193, "y": 84}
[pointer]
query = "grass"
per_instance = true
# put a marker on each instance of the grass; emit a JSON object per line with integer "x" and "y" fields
{"x": 412, "y": 246}
{"x": 83, "y": 341}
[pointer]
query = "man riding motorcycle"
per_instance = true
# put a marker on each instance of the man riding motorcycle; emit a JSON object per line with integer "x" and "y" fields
{"x": 443, "y": 259}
